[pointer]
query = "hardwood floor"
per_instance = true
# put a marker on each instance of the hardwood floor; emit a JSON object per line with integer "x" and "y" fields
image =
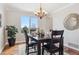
{"x": 71, "y": 51}
{"x": 13, "y": 50}
{"x": 9, "y": 50}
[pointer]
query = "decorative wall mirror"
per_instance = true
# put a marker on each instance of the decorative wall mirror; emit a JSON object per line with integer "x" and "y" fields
{"x": 71, "y": 22}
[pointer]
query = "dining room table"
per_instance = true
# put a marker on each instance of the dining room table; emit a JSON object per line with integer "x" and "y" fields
{"x": 43, "y": 40}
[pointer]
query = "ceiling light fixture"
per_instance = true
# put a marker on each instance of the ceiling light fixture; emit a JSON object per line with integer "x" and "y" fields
{"x": 40, "y": 13}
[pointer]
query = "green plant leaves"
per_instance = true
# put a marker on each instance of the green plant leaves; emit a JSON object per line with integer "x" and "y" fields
{"x": 12, "y": 30}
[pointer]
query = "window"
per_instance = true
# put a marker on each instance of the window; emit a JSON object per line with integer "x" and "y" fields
{"x": 24, "y": 21}
{"x": 34, "y": 23}
{"x": 31, "y": 22}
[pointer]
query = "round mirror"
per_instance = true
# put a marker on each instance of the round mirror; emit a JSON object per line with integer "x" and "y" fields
{"x": 71, "y": 22}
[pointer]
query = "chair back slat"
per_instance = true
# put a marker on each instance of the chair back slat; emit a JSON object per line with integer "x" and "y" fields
{"x": 56, "y": 34}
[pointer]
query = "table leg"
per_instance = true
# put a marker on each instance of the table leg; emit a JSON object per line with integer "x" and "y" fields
{"x": 39, "y": 48}
{"x": 61, "y": 48}
{"x": 61, "y": 51}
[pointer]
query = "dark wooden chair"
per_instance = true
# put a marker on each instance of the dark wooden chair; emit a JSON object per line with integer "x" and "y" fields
{"x": 31, "y": 44}
{"x": 56, "y": 38}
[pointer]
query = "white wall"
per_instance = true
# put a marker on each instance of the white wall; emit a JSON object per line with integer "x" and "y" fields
{"x": 2, "y": 28}
{"x": 58, "y": 19}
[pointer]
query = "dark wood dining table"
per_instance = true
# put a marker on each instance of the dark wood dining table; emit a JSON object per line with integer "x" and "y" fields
{"x": 43, "y": 40}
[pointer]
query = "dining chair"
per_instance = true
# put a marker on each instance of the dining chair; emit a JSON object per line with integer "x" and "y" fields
{"x": 56, "y": 38}
{"x": 31, "y": 44}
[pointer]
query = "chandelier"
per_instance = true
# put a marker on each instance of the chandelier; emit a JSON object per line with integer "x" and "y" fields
{"x": 41, "y": 13}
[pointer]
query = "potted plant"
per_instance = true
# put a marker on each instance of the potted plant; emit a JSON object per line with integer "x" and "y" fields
{"x": 11, "y": 32}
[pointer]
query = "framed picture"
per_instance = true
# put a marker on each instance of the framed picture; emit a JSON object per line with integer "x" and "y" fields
{"x": 0, "y": 21}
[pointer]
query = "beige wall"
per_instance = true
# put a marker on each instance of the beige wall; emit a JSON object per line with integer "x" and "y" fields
{"x": 2, "y": 44}
{"x": 46, "y": 23}
{"x": 58, "y": 19}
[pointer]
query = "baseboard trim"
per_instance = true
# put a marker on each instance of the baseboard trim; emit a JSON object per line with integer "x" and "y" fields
{"x": 1, "y": 50}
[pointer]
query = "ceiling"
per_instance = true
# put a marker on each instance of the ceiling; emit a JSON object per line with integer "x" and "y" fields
{"x": 31, "y": 7}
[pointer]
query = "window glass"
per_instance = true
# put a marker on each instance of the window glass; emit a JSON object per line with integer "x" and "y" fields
{"x": 24, "y": 21}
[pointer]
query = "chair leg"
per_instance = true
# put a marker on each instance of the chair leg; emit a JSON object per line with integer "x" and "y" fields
{"x": 35, "y": 48}
{"x": 42, "y": 51}
{"x": 27, "y": 50}
{"x": 50, "y": 53}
